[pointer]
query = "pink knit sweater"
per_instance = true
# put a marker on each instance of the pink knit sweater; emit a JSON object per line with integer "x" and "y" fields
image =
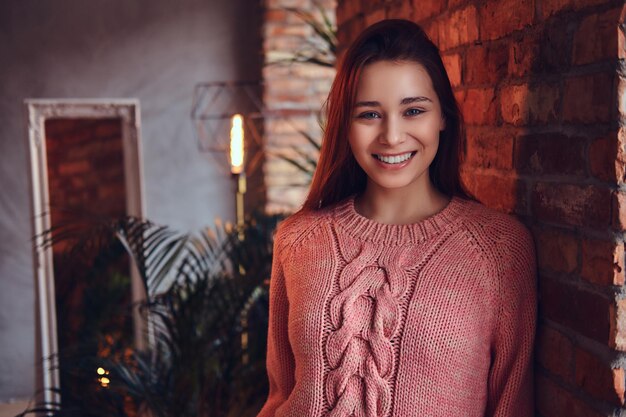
{"x": 431, "y": 319}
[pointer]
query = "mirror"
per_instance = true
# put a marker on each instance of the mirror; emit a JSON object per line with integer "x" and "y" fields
{"x": 85, "y": 157}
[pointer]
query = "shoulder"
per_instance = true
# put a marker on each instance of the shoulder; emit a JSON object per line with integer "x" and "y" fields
{"x": 298, "y": 227}
{"x": 501, "y": 237}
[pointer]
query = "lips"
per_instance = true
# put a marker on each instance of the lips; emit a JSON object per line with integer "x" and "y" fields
{"x": 394, "y": 159}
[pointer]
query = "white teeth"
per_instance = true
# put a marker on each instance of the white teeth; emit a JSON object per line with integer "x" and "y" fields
{"x": 394, "y": 159}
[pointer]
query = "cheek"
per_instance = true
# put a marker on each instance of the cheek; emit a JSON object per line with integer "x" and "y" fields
{"x": 356, "y": 139}
{"x": 428, "y": 133}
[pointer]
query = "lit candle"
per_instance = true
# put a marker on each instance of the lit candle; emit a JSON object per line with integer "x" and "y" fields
{"x": 236, "y": 144}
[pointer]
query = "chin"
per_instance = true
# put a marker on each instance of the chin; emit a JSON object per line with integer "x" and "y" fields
{"x": 395, "y": 183}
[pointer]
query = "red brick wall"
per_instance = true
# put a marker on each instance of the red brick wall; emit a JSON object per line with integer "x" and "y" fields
{"x": 538, "y": 84}
{"x": 85, "y": 167}
{"x": 295, "y": 94}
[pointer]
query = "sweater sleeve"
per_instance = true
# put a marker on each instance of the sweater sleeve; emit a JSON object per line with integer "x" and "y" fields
{"x": 279, "y": 361}
{"x": 510, "y": 385}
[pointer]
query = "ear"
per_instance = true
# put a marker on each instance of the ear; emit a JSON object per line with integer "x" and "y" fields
{"x": 442, "y": 126}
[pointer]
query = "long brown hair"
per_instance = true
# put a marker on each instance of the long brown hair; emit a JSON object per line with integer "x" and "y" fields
{"x": 338, "y": 175}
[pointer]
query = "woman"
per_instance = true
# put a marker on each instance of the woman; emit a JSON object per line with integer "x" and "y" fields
{"x": 393, "y": 293}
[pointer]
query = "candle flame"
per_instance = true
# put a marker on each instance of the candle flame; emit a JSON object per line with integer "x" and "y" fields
{"x": 236, "y": 144}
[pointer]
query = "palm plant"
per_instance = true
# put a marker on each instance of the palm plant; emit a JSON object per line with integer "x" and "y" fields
{"x": 321, "y": 49}
{"x": 303, "y": 160}
{"x": 206, "y": 307}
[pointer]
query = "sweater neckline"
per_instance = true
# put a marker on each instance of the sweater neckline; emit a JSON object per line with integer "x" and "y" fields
{"x": 363, "y": 228}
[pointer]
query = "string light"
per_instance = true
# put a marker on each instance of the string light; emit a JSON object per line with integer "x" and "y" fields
{"x": 103, "y": 380}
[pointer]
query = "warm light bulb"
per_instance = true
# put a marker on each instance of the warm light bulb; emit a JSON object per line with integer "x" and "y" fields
{"x": 236, "y": 144}
{"x": 101, "y": 371}
{"x": 104, "y": 381}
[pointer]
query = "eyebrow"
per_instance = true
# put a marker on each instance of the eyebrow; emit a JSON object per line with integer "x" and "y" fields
{"x": 406, "y": 100}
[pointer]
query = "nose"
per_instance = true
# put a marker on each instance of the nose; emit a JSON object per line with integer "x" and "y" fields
{"x": 392, "y": 132}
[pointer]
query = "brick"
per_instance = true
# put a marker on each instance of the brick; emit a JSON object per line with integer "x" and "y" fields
{"x": 95, "y": 147}
{"x": 370, "y": 5}
{"x": 327, "y": 4}
{"x": 618, "y": 209}
{"x": 587, "y": 99}
{"x": 479, "y": 106}
{"x": 425, "y": 9}
{"x": 312, "y": 72}
{"x": 282, "y": 43}
{"x": 555, "y": 352}
{"x": 523, "y": 55}
{"x": 57, "y": 127}
{"x": 596, "y": 38}
{"x": 602, "y": 262}
{"x": 272, "y": 72}
{"x": 570, "y": 204}
{"x": 286, "y": 140}
{"x": 290, "y": 99}
{"x": 76, "y": 183}
{"x": 503, "y": 193}
{"x": 582, "y": 4}
{"x": 461, "y": 27}
{"x": 322, "y": 87}
{"x": 74, "y": 168}
{"x": 288, "y": 86}
{"x": 621, "y": 96}
{"x": 486, "y": 64}
{"x": 621, "y": 43}
{"x": 553, "y": 400}
{"x": 551, "y": 7}
{"x": 432, "y": 30}
{"x": 617, "y": 339}
{"x": 348, "y": 31}
{"x": 298, "y": 30}
{"x": 607, "y": 158}
{"x": 453, "y": 66}
{"x": 557, "y": 251}
{"x": 274, "y": 4}
{"x": 522, "y": 105}
{"x": 499, "y": 18}
{"x": 276, "y": 16}
{"x": 543, "y": 154}
{"x": 597, "y": 378}
{"x": 452, "y": 4}
{"x": 374, "y": 16}
{"x": 107, "y": 128}
{"x": 489, "y": 148}
{"x": 578, "y": 309}
{"x": 346, "y": 10}
{"x": 555, "y": 47}
{"x": 276, "y": 126}
{"x": 402, "y": 10}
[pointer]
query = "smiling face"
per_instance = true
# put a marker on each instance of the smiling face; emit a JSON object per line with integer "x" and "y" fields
{"x": 394, "y": 131}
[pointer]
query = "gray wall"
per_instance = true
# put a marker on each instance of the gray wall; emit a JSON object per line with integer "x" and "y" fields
{"x": 153, "y": 50}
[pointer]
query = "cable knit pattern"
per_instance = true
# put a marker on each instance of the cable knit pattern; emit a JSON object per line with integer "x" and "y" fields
{"x": 429, "y": 319}
{"x": 365, "y": 316}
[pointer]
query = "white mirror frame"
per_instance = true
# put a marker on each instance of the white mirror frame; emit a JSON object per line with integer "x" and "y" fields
{"x": 37, "y": 112}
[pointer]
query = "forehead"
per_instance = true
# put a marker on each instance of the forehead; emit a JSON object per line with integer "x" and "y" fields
{"x": 394, "y": 79}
